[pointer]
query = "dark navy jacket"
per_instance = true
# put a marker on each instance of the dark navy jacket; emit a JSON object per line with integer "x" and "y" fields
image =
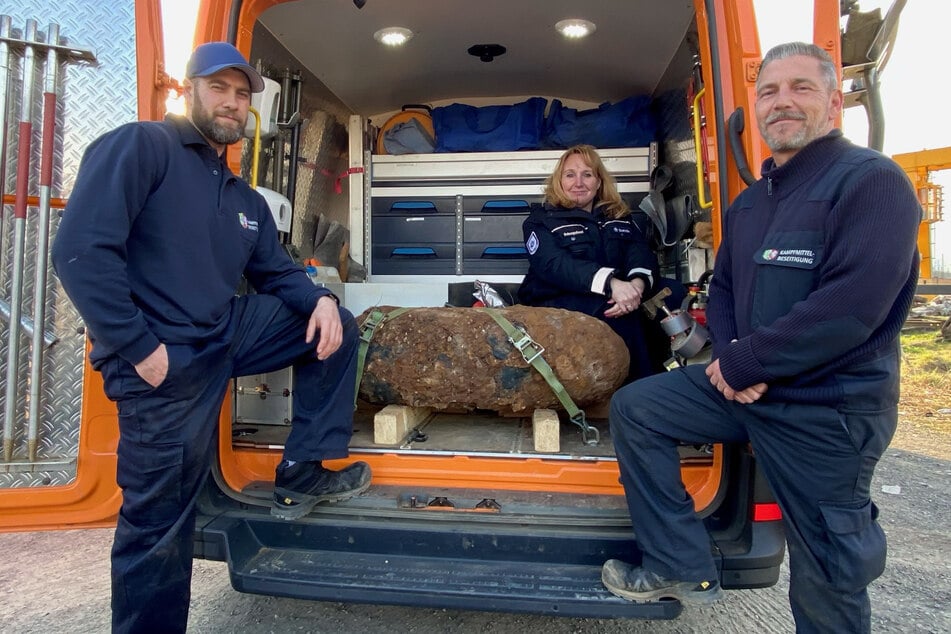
{"x": 571, "y": 251}
{"x": 156, "y": 237}
{"x": 815, "y": 275}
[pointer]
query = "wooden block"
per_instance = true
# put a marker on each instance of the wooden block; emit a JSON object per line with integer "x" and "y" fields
{"x": 546, "y": 430}
{"x": 393, "y": 422}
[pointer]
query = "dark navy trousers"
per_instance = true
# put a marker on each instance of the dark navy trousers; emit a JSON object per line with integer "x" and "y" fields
{"x": 168, "y": 434}
{"x": 818, "y": 461}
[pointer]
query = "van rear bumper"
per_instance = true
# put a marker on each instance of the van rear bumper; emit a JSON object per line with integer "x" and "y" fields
{"x": 439, "y": 564}
{"x": 758, "y": 567}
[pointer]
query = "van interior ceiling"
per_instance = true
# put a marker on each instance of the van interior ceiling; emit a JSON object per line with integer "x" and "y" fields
{"x": 634, "y": 45}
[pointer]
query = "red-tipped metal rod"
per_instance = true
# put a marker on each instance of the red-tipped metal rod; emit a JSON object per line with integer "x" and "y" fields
{"x": 41, "y": 272}
{"x": 4, "y": 92}
{"x": 24, "y": 142}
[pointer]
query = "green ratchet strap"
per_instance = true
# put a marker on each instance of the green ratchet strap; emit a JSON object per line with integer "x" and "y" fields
{"x": 532, "y": 353}
{"x": 373, "y": 321}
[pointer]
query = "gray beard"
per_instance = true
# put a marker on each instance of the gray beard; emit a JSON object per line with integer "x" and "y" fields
{"x": 796, "y": 142}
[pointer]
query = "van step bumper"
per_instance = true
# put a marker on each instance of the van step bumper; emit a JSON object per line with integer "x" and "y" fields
{"x": 504, "y": 572}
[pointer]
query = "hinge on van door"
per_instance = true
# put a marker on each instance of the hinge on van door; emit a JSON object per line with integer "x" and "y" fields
{"x": 164, "y": 81}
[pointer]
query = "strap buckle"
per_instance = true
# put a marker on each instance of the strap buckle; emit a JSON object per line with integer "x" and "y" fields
{"x": 532, "y": 351}
{"x": 589, "y": 434}
{"x": 529, "y": 348}
{"x": 374, "y": 319}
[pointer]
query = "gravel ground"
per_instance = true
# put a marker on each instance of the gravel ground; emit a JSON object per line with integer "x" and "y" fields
{"x": 59, "y": 582}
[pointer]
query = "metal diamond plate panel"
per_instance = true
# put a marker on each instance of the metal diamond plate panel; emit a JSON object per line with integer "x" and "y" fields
{"x": 323, "y": 144}
{"x": 91, "y": 99}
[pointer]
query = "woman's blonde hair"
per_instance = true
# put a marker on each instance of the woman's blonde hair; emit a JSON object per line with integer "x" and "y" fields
{"x": 607, "y": 198}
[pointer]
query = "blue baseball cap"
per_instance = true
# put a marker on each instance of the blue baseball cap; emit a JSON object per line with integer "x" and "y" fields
{"x": 212, "y": 57}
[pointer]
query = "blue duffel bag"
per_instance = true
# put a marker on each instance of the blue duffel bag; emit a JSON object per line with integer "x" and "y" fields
{"x": 463, "y": 128}
{"x": 627, "y": 123}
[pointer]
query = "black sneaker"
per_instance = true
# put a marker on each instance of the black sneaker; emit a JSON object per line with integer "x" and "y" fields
{"x": 304, "y": 485}
{"x": 638, "y": 584}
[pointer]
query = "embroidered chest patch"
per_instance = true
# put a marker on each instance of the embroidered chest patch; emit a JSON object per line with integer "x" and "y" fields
{"x": 246, "y": 223}
{"x": 789, "y": 256}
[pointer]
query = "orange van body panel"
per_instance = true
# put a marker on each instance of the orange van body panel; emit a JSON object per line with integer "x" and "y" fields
{"x": 93, "y": 498}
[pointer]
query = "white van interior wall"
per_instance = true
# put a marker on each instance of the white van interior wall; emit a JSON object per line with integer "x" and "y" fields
{"x": 322, "y": 150}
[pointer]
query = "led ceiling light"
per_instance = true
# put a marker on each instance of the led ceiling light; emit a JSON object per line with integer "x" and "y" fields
{"x": 393, "y": 36}
{"x": 575, "y": 28}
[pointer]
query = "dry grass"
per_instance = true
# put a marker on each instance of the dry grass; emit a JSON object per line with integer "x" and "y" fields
{"x": 924, "y": 412}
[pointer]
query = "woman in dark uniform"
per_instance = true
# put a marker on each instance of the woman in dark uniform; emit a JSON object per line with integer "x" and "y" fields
{"x": 587, "y": 253}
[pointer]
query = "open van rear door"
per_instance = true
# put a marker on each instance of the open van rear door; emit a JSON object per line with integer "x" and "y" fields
{"x": 92, "y": 66}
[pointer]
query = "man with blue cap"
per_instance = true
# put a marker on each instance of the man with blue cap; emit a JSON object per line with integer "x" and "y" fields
{"x": 155, "y": 240}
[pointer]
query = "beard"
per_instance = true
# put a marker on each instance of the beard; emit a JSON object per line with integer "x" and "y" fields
{"x": 205, "y": 122}
{"x": 806, "y": 134}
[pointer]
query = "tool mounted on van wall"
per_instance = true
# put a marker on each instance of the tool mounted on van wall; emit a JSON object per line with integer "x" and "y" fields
{"x": 687, "y": 336}
{"x": 32, "y": 48}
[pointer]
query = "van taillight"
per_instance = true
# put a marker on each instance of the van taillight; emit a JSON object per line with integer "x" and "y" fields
{"x": 766, "y": 512}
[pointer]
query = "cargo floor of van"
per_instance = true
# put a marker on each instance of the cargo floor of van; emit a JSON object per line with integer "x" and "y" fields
{"x": 470, "y": 433}
{"x": 483, "y": 434}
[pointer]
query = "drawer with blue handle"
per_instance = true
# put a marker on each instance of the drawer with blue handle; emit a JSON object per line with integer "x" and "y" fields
{"x": 492, "y": 236}
{"x": 413, "y": 244}
{"x": 423, "y": 205}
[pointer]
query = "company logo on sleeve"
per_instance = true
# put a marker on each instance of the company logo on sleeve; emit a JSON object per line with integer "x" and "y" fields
{"x": 532, "y": 243}
{"x": 619, "y": 227}
{"x": 250, "y": 225}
